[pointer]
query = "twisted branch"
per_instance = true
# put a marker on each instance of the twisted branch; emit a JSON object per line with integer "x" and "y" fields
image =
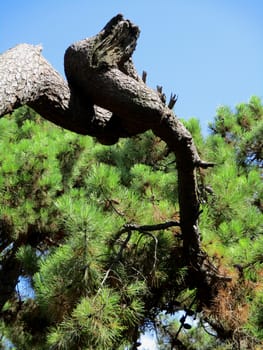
{"x": 105, "y": 98}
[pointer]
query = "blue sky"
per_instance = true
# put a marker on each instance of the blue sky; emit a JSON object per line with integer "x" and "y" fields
{"x": 209, "y": 52}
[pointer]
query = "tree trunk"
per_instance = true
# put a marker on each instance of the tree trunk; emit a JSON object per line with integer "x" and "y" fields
{"x": 106, "y": 98}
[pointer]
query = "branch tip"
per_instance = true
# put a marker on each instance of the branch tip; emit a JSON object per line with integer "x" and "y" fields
{"x": 204, "y": 165}
{"x": 173, "y": 100}
{"x": 161, "y": 94}
{"x": 144, "y": 76}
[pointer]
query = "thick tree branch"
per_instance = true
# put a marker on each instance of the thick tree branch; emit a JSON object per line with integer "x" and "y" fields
{"x": 100, "y": 73}
{"x": 27, "y": 78}
{"x": 138, "y": 108}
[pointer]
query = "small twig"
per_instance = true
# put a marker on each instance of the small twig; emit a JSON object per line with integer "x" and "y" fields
{"x": 155, "y": 247}
{"x": 175, "y": 343}
{"x": 204, "y": 165}
{"x": 161, "y": 94}
{"x": 144, "y": 76}
{"x": 159, "y": 89}
{"x": 117, "y": 258}
{"x": 183, "y": 319}
{"x": 139, "y": 273}
{"x": 155, "y": 251}
{"x": 173, "y": 100}
{"x": 205, "y": 329}
{"x": 111, "y": 201}
{"x": 104, "y": 279}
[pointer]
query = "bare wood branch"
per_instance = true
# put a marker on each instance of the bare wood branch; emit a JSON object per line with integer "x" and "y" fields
{"x": 27, "y": 78}
{"x": 143, "y": 228}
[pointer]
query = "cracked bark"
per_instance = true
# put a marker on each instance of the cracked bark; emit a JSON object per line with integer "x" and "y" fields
{"x": 105, "y": 98}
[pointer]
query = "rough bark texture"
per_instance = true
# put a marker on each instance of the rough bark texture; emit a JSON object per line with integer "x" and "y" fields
{"x": 105, "y": 98}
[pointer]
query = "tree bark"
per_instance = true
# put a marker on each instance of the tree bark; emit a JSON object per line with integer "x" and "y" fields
{"x": 105, "y": 98}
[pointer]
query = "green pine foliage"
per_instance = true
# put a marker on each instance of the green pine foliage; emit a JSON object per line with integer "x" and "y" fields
{"x": 65, "y": 200}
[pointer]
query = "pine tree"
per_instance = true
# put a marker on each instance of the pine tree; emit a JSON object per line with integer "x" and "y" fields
{"x": 92, "y": 233}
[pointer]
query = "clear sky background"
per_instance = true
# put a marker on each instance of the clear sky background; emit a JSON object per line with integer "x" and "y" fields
{"x": 209, "y": 52}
